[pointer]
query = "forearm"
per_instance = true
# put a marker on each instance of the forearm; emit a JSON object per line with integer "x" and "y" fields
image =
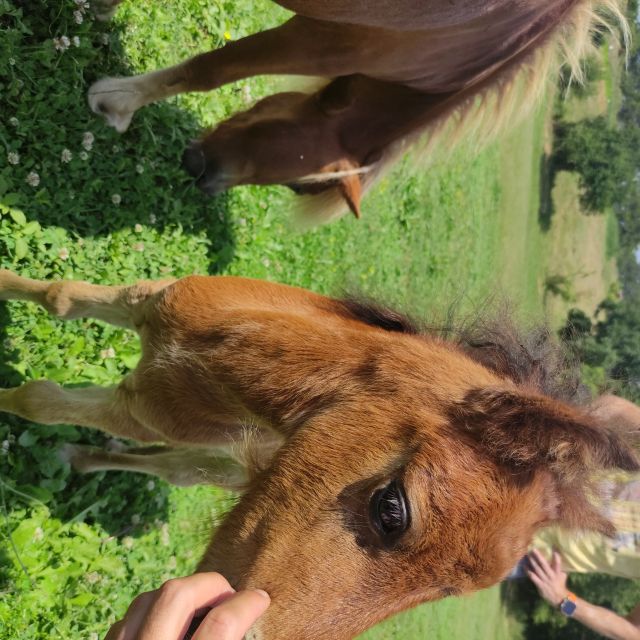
{"x": 605, "y": 622}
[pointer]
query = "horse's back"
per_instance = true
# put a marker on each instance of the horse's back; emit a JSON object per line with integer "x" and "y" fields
{"x": 403, "y": 15}
{"x": 196, "y": 303}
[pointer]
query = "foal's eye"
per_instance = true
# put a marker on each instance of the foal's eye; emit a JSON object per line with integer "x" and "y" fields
{"x": 388, "y": 511}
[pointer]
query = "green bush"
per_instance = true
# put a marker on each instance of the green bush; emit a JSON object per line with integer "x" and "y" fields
{"x": 602, "y": 156}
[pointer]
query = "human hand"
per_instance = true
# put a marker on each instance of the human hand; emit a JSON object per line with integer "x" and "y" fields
{"x": 166, "y": 613}
{"x": 549, "y": 578}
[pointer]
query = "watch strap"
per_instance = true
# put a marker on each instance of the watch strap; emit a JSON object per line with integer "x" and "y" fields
{"x": 568, "y": 604}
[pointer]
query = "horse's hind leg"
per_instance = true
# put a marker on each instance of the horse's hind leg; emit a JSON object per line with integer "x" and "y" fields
{"x": 103, "y": 408}
{"x": 119, "y": 305}
{"x": 182, "y": 467}
{"x": 299, "y": 47}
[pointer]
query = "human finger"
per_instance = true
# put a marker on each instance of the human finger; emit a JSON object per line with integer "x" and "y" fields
{"x": 536, "y": 580}
{"x": 232, "y": 619}
{"x": 177, "y": 602}
{"x": 541, "y": 562}
{"x": 128, "y": 627}
{"x": 535, "y": 567}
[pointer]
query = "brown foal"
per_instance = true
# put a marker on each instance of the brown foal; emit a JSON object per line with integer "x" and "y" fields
{"x": 397, "y": 466}
{"x": 397, "y": 69}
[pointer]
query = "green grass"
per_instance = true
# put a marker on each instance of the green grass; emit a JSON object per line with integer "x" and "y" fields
{"x": 76, "y": 549}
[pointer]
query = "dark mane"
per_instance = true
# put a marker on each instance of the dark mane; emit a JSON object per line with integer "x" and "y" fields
{"x": 535, "y": 357}
{"x": 379, "y": 315}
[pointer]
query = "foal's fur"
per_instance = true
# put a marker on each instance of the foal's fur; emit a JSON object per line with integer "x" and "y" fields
{"x": 398, "y": 68}
{"x": 463, "y": 437}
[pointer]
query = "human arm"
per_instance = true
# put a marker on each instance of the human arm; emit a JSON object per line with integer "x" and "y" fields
{"x": 551, "y": 582}
{"x": 167, "y": 612}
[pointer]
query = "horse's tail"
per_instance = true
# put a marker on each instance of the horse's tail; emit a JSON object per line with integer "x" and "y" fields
{"x": 501, "y": 98}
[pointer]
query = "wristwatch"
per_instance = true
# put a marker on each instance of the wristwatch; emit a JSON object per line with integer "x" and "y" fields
{"x": 568, "y": 604}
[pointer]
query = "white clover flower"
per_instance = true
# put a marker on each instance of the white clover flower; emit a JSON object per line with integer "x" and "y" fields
{"x": 13, "y": 157}
{"x": 92, "y": 577}
{"x": 138, "y": 228}
{"x": 13, "y": 121}
{"x": 76, "y": 41}
{"x": 104, "y": 38}
{"x": 152, "y": 218}
{"x": 94, "y": 636}
{"x": 33, "y": 179}
{"x": 12, "y": 61}
{"x": 138, "y": 246}
{"x": 116, "y": 199}
{"x": 127, "y": 542}
{"x": 116, "y": 148}
{"x": 151, "y": 485}
{"x": 83, "y": 155}
{"x": 266, "y": 262}
{"x": 66, "y": 156}
{"x": 5, "y": 447}
{"x": 62, "y": 43}
{"x": 11, "y": 438}
{"x": 63, "y": 254}
{"x": 108, "y": 353}
{"x": 87, "y": 140}
{"x": 83, "y": 5}
{"x": 38, "y": 534}
{"x": 139, "y": 168}
{"x": 77, "y": 16}
{"x": 135, "y": 519}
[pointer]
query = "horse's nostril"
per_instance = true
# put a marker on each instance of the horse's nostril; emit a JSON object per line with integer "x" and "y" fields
{"x": 193, "y": 160}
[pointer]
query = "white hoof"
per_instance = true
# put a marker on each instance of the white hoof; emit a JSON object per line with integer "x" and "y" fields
{"x": 117, "y": 99}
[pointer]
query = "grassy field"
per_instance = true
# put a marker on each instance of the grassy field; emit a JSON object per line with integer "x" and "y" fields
{"x": 76, "y": 549}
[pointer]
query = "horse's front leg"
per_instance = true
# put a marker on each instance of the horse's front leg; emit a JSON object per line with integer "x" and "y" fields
{"x": 301, "y": 46}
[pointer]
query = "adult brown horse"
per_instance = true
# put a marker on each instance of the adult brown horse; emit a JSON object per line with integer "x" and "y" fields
{"x": 399, "y": 68}
{"x": 412, "y": 467}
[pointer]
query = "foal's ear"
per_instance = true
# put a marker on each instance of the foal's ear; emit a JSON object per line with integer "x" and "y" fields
{"x": 526, "y": 431}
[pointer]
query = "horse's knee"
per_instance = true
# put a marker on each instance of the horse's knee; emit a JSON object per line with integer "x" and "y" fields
{"x": 57, "y": 300}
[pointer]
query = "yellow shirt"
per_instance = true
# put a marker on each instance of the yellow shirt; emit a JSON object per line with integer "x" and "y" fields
{"x": 593, "y": 552}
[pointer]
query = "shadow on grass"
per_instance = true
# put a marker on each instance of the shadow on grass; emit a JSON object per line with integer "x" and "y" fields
{"x": 117, "y": 180}
{"x": 547, "y": 173}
